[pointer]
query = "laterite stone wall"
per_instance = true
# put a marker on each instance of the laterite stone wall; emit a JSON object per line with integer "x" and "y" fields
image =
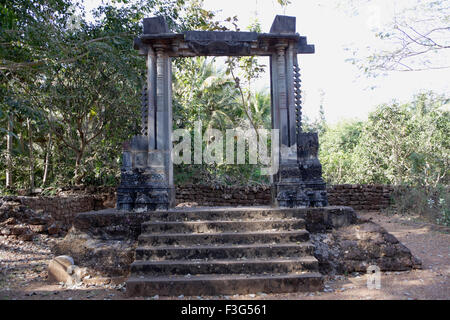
{"x": 64, "y": 208}
{"x": 360, "y": 197}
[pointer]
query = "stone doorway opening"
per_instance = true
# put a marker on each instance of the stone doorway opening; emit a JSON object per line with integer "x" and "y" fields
{"x": 228, "y": 114}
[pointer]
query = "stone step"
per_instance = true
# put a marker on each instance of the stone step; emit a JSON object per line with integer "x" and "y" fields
{"x": 236, "y": 213}
{"x": 229, "y": 284}
{"x": 207, "y": 226}
{"x": 247, "y": 266}
{"x": 155, "y": 239}
{"x": 225, "y": 251}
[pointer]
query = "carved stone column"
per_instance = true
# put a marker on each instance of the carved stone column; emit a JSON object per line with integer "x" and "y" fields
{"x": 151, "y": 102}
{"x": 147, "y": 170}
{"x": 282, "y": 96}
{"x": 287, "y": 185}
{"x": 298, "y": 182}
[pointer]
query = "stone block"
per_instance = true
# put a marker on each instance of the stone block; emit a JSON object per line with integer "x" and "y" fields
{"x": 283, "y": 24}
{"x": 63, "y": 269}
{"x": 155, "y": 25}
{"x": 57, "y": 269}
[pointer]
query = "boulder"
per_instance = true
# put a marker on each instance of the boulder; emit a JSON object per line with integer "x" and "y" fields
{"x": 63, "y": 269}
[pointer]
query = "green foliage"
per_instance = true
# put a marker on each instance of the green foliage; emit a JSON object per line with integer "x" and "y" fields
{"x": 78, "y": 87}
{"x": 337, "y": 145}
{"x": 284, "y": 3}
{"x": 204, "y": 93}
{"x": 401, "y": 144}
{"x": 430, "y": 203}
{"x": 404, "y": 144}
{"x": 407, "y": 144}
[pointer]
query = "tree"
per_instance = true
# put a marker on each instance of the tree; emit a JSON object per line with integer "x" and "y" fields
{"x": 244, "y": 71}
{"x": 417, "y": 38}
{"x": 337, "y": 151}
{"x": 74, "y": 92}
{"x": 203, "y": 93}
{"x": 25, "y": 29}
{"x": 406, "y": 143}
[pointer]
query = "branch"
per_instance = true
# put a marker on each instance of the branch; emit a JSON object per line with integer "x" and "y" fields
{"x": 20, "y": 65}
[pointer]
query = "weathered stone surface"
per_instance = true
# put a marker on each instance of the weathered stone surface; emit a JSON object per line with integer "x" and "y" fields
{"x": 219, "y": 42}
{"x": 39, "y": 213}
{"x": 18, "y": 230}
{"x": 355, "y": 247}
{"x": 101, "y": 257}
{"x": 60, "y": 269}
{"x": 283, "y": 24}
{"x": 65, "y": 261}
{"x": 155, "y": 25}
{"x": 217, "y": 233}
{"x": 144, "y": 184}
{"x": 53, "y": 229}
{"x": 27, "y": 236}
{"x": 104, "y": 243}
{"x": 367, "y": 197}
{"x": 38, "y": 228}
{"x": 224, "y": 284}
{"x": 110, "y": 236}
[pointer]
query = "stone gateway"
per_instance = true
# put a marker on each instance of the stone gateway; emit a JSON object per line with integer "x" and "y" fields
{"x": 147, "y": 170}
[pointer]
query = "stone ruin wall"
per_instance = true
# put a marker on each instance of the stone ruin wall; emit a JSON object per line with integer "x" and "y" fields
{"x": 64, "y": 208}
{"x": 360, "y": 197}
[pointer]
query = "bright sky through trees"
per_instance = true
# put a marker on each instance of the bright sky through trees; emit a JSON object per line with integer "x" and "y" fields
{"x": 327, "y": 76}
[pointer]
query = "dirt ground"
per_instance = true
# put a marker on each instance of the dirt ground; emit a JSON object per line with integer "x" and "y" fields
{"x": 23, "y": 272}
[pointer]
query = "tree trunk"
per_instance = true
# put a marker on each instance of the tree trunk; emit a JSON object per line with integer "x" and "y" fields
{"x": 80, "y": 152}
{"x": 9, "y": 142}
{"x": 47, "y": 159}
{"x": 31, "y": 154}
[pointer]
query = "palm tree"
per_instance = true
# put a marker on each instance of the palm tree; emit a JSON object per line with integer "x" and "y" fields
{"x": 202, "y": 92}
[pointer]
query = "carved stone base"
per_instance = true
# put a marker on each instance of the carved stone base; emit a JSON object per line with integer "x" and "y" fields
{"x": 298, "y": 195}
{"x": 289, "y": 195}
{"x": 145, "y": 199}
{"x": 144, "y": 181}
{"x": 316, "y": 192}
{"x": 299, "y": 183}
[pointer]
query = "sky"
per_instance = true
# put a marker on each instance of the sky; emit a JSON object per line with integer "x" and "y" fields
{"x": 327, "y": 78}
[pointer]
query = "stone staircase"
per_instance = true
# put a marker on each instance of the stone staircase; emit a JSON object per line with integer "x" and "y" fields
{"x": 216, "y": 251}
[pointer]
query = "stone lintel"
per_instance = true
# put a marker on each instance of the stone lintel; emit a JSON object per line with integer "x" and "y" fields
{"x": 221, "y": 43}
{"x": 220, "y": 36}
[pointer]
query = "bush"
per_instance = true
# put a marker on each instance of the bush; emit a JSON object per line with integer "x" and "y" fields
{"x": 431, "y": 204}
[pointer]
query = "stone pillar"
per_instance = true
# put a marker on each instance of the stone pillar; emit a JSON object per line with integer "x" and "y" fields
{"x": 151, "y": 102}
{"x": 147, "y": 170}
{"x": 286, "y": 184}
{"x": 282, "y": 96}
{"x": 290, "y": 94}
{"x": 298, "y": 182}
{"x": 162, "y": 154}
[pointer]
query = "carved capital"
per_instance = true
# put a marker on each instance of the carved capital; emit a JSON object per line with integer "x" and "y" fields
{"x": 281, "y": 48}
{"x": 160, "y": 49}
